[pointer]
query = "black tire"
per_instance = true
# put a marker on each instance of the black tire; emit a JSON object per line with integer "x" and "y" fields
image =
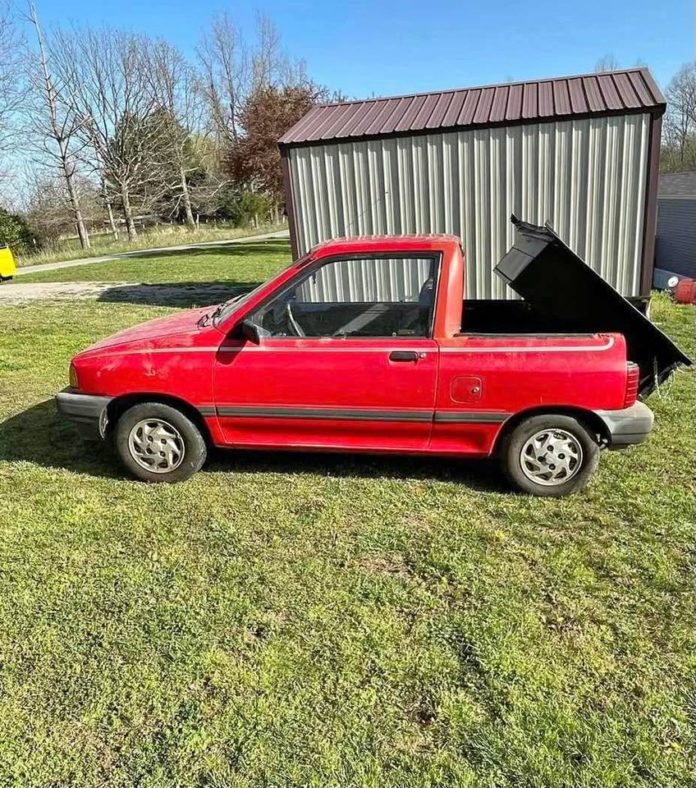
{"x": 515, "y": 450}
{"x": 178, "y": 436}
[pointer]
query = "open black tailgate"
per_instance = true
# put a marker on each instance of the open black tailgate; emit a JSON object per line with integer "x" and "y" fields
{"x": 554, "y": 280}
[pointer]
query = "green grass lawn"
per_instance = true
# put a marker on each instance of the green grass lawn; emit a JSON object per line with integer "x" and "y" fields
{"x": 163, "y": 235}
{"x": 331, "y": 621}
{"x": 242, "y": 264}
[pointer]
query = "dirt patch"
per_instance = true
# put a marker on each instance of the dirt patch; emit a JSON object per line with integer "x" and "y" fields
{"x": 18, "y": 294}
{"x": 386, "y": 565}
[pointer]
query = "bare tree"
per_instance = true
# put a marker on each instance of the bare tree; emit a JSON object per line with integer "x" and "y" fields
{"x": 177, "y": 91}
{"x": 226, "y": 75}
{"x": 55, "y": 121}
{"x": 106, "y": 71}
{"x": 680, "y": 120}
{"x": 270, "y": 65}
{"x": 47, "y": 203}
{"x": 232, "y": 69}
{"x": 107, "y": 201}
{"x": 606, "y": 63}
{"x": 12, "y": 84}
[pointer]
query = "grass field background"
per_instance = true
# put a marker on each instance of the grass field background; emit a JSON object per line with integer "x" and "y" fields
{"x": 331, "y": 621}
{"x": 240, "y": 265}
{"x": 149, "y": 238}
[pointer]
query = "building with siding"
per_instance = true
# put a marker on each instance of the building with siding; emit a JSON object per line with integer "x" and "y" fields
{"x": 676, "y": 224}
{"x": 578, "y": 152}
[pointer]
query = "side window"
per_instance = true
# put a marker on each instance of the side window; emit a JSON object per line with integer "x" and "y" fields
{"x": 356, "y": 297}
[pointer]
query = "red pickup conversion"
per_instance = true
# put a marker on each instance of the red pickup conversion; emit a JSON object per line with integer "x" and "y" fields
{"x": 368, "y": 344}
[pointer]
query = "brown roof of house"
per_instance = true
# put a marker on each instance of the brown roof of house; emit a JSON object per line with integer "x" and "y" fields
{"x": 611, "y": 92}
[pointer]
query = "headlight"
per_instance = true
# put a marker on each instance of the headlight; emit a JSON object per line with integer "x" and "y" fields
{"x": 73, "y": 377}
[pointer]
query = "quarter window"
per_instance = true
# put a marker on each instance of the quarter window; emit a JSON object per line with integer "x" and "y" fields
{"x": 356, "y": 297}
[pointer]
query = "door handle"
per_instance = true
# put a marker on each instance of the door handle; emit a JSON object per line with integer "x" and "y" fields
{"x": 403, "y": 355}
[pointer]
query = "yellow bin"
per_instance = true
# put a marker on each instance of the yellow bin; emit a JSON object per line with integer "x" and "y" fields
{"x": 7, "y": 263}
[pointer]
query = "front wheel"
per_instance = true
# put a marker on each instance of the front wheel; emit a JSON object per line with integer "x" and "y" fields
{"x": 549, "y": 455}
{"x": 158, "y": 443}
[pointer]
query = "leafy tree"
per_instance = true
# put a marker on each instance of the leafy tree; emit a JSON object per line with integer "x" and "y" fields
{"x": 254, "y": 159}
{"x": 145, "y": 141}
{"x": 250, "y": 208}
{"x": 176, "y": 87}
{"x": 15, "y": 232}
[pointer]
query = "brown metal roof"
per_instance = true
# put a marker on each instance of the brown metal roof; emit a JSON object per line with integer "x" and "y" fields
{"x": 611, "y": 92}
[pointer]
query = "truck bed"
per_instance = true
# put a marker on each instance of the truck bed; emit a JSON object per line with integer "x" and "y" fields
{"x": 546, "y": 273}
{"x": 513, "y": 317}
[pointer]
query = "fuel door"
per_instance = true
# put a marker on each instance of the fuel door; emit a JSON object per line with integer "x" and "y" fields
{"x": 466, "y": 389}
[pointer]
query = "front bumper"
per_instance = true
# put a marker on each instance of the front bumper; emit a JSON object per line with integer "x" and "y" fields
{"x": 86, "y": 411}
{"x": 628, "y": 426}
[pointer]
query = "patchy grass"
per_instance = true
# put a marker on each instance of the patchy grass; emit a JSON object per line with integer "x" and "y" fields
{"x": 334, "y": 621}
{"x": 150, "y": 238}
{"x": 241, "y": 264}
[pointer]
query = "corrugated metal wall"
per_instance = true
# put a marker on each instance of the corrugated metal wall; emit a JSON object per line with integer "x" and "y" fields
{"x": 392, "y": 280}
{"x": 586, "y": 177}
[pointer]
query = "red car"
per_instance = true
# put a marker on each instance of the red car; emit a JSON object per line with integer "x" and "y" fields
{"x": 369, "y": 344}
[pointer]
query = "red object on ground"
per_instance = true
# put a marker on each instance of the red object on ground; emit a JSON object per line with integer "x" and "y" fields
{"x": 685, "y": 292}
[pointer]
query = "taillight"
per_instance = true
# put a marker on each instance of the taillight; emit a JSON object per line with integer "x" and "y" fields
{"x": 74, "y": 383}
{"x": 632, "y": 380}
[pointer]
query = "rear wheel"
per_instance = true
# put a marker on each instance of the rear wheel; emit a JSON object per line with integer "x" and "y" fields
{"x": 158, "y": 443}
{"x": 549, "y": 455}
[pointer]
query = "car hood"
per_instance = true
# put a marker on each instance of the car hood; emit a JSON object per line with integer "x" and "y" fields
{"x": 554, "y": 280}
{"x": 180, "y": 329}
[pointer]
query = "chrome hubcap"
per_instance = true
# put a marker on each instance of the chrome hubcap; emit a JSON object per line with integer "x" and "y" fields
{"x": 551, "y": 457}
{"x": 156, "y": 445}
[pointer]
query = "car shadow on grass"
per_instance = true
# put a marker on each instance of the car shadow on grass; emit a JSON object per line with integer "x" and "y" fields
{"x": 185, "y": 295}
{"x": 270, "y": 246}
{"x": 480, "y": 475}
{"x": 41, "y": 436}
{"x": 189, "y": 294}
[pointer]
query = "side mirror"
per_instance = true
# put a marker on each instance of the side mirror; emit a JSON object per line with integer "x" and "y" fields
{"x": 251, "y": 331}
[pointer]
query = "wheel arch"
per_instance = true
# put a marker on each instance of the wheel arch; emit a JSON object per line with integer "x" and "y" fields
{"x": 590, "y": 420}
{"x": 119, "y": 405}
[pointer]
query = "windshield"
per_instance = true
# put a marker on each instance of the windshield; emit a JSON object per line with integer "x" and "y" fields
{"x": 225, "y": 310}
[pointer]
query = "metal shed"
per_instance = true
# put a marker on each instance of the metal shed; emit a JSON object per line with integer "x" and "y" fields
{"x": 579, "y": 152}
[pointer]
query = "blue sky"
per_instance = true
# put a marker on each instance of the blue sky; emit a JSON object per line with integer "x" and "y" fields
{"x": 398, "y": 46}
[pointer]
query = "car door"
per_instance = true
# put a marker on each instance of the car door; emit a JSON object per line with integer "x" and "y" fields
{"x": 345, "y": 359}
